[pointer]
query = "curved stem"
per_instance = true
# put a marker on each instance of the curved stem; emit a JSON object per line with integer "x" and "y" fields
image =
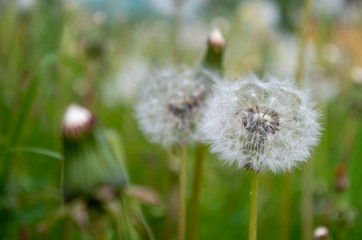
{"x": 194, "y": 207}
{"x": 182, "y": 195}
{"x": 253, "y": 208}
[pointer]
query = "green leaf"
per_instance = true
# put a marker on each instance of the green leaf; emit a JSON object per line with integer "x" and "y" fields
{"x": 41, "y": 151}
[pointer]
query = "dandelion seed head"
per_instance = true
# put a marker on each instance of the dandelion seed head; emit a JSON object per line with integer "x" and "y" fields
{"x": 169, "y": 107}
{"x": 260, "y": 124}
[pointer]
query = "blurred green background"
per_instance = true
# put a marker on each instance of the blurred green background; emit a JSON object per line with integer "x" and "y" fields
{"x": 98, "y": 53}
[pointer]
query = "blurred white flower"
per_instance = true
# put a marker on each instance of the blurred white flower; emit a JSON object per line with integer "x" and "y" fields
{"x": 169, "y": 107}
{"x": 26, "y": 5}
{"x": 167, "y": 7}
{"x": 127, "y": 82}
{"x": 323, "y": 85}
{"x": 286, "y": 55}
{"x": 356, "y": 75}
{"x": 260, "y": 15}
{"x": 99, "y": 17}
{"x": 260, "y": 124}
{"x": 328, "y": 7}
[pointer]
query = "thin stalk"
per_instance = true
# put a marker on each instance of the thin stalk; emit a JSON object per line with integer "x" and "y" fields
{"x": 182, "y": 195}
{"x": 307, "y": 191}
{"x": 307, "y": 201}
{"x": 194, "y": 207}
{"x": 285, "y": 218}
{"x": 303, "y": 41}
{"x": 253, "y": 208}
{"x": 67, "y": 231}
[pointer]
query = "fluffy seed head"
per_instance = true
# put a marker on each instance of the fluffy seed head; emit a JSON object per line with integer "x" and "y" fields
{"x": 169, "y": 107}
{"x": 260, "y": 124}
{"x": 77, "y": 120}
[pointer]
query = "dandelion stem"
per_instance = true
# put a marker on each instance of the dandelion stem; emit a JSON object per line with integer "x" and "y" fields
{"x": 285, "y": 218}
{"x": 182, "y": 195}
{"x": 196, "y": 193}
{"x": 307, "y": 201}
{"x": 253, "y": 208}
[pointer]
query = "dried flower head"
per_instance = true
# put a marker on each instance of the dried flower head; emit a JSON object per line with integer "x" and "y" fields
{"x": 169, "y": 107}
{"x": 260, "y": 124}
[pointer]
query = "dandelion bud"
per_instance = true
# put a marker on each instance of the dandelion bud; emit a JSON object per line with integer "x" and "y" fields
{"x": 216, "y": 40}
{"x": 260, "y": 124}
{"x": 90, "y": 167}
{"x": 77, "y": 121}
{"x": 213, "y": 59}
{"x": 321, "y": 233}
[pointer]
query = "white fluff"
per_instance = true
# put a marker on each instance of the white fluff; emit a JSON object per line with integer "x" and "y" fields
{"x": 76, "y": 116}
{"x": 169, "y": 107}
{"x": 260, "y": 124}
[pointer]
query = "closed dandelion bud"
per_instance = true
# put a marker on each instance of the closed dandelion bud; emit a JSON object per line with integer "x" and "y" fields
{"x": 260, "y": 124}
{"x": 214, "y": 54}
{"x": 321, "y": 233}
{"x": 170, "y": 107}
{"x": 90, "y": 166}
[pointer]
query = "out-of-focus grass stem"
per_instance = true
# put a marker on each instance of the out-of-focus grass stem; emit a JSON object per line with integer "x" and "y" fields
{"x": 307, "y": 183}
{"x": 303, "y": 41}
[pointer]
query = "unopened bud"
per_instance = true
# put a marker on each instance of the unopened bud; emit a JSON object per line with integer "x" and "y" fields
{"x": 77, "y": 121}
{"x": 321, "y": 233}
{"x": 216, "y": 39}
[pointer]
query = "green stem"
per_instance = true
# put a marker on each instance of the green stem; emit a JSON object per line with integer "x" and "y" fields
{"x": 182, "y": 195}
{"x": 67, "y": 231}
{"x": 285, "y": 217}
{"x": 307, "y": 201}
{"x": 194, "y": 207}
{"x": 253, "y": 208}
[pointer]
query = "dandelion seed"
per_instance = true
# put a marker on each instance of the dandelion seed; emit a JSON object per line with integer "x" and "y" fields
{"x": 261, "y": 124}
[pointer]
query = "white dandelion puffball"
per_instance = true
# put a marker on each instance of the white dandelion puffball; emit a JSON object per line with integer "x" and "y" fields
{"x": 169, "y": 107}
{"x": 262, "y": 124}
